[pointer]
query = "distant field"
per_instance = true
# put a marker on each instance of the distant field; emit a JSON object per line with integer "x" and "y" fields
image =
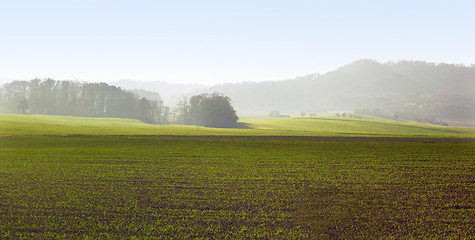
{"x": 81, "y": 178}
{"x": 14, "y": 125}
{"x": 359, "y": 127}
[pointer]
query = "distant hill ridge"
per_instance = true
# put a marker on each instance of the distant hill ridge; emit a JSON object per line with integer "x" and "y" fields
{"x": 414, "y": 90}
{"x": 405, "y": 90}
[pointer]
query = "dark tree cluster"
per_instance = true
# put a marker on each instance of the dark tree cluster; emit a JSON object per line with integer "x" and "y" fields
{"x": 209, "y": 110}
{"x": 78, "y": 99}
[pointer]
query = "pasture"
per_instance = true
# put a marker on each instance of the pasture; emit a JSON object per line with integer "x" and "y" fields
{"x": 34, "y": 125}
{"x": 75, "y": 179}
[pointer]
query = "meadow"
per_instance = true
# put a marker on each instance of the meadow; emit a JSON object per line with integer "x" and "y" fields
{"x": 34, "y": 125}
{"x": 75, "y": 178}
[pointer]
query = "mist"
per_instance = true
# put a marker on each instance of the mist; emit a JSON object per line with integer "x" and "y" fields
{"x": 403, "y": 90}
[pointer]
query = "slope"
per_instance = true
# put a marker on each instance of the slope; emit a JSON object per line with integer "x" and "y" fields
{"x": 411, "y": 90}
{"x": 34, "y": 125}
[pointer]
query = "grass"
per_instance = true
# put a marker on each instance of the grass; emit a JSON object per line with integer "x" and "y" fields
{"x": 30, "y": 125}
{"x": 360, "y": 127}
{"x": 84, "y": 178}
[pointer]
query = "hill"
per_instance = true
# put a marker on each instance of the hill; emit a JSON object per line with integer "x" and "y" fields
{"x": 411, "y": 90}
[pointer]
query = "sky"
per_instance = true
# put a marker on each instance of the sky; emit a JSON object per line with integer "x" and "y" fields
{"x": 212, "y": 42}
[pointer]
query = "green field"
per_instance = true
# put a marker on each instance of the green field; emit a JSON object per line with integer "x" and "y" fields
{"x": 31, "y": 125}
{"x": 78, "y": 178}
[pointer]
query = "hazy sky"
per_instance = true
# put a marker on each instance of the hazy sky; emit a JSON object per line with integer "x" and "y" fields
{"x": 224, "y": 41}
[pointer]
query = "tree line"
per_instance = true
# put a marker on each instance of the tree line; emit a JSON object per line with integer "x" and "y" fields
{"x": 72, "y": 98}
{"x": 78, "y": 99}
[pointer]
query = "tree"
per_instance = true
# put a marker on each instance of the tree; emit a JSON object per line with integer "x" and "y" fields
{"x": 196, "y": 111}
{"x": 165, "y": 115}
{"x": 181, "y": 112}
{"x": 216, "y": 111}
{"x": 209, "y": 110}
{"x": 143, "y": 111}
{"x": 23, "y": 106}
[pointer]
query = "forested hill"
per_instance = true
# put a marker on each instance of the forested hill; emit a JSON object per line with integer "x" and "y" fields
{"x": 407, "y": 89}
{"x": 79, "y": 99}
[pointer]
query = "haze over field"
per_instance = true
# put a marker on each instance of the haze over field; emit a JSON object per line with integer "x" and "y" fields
{"x": 406, "y": 89}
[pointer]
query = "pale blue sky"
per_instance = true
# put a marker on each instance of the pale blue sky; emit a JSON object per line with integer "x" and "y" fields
{"x": 224, "y": 41}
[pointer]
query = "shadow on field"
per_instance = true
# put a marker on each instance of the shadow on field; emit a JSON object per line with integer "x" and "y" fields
{"x": 241, "y": 125}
